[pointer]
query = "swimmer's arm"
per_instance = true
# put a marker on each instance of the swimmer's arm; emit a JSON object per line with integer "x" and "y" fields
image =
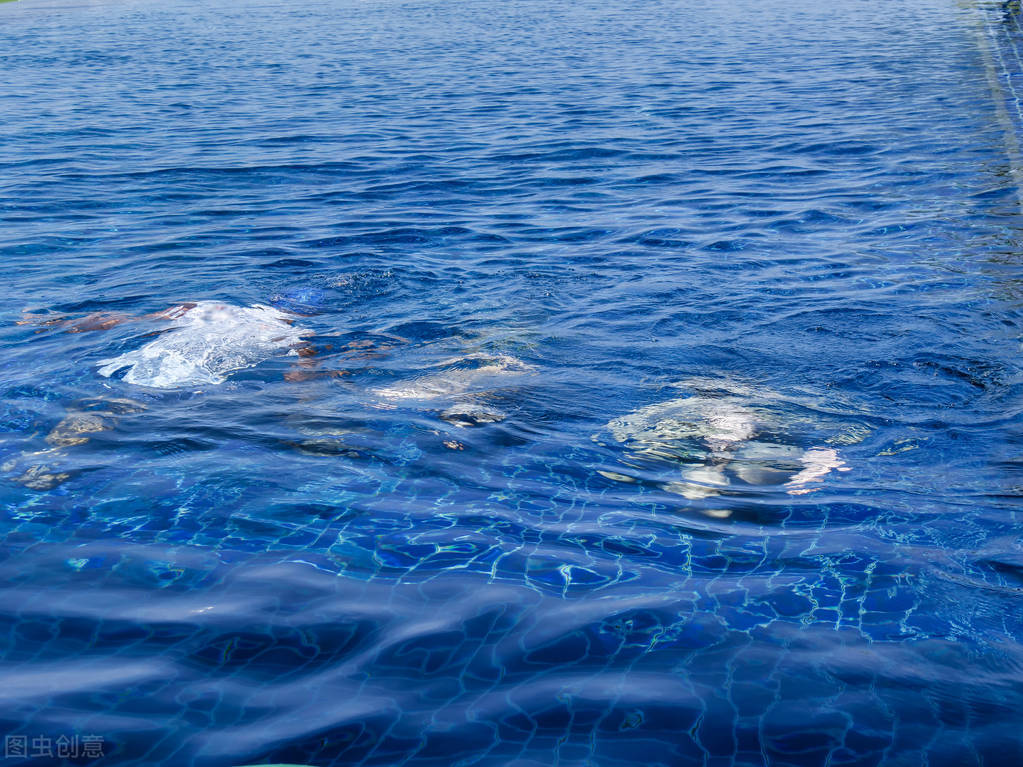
{"x": 308, "y": 364}
{"x": 307, "y": 367}
{"x": 100, "y": 320}
{"x": 94, "y": 321}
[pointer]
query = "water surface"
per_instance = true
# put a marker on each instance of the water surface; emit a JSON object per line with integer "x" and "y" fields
{"x": 432, "y": 543}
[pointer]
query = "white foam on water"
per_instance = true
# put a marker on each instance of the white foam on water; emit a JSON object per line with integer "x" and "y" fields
{"x": 206, "y": 343}
{"x": 818, "y": 462}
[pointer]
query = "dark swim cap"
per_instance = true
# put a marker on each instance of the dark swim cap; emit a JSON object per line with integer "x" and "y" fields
{"x": 305, "y": 301}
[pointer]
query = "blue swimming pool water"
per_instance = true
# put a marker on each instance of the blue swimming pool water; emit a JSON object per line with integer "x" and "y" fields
{"x": 546, "y": 221}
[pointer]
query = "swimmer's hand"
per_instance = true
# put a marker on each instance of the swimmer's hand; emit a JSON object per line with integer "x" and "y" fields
{"x": 174, "y": 313}
{"x": 42, "y": 320}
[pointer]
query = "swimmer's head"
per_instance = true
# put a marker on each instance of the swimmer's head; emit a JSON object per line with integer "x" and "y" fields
{"x": 303, "y": 301}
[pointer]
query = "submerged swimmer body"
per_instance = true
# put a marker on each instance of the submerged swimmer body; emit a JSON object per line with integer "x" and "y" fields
{"x": 461, "y": 387}
{"x": 204, "y": 343}
{"x": 46, "y": 468}
{"x": 196, "y": 343}
{"x": 719, "y": 432}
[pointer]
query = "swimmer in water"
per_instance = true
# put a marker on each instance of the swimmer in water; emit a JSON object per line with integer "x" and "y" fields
{"x": 206, "y": 341}
{"x": 721, "y": 430}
